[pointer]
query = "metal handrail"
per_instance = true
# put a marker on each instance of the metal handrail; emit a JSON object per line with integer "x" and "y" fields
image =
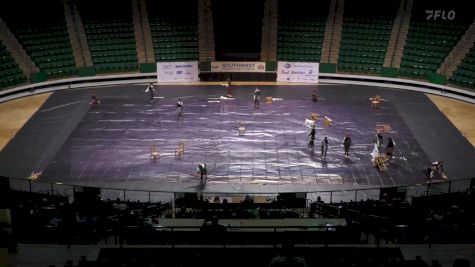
{"x": 429, "y": 189}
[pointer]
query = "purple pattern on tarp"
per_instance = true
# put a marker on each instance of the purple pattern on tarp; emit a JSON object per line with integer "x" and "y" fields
{"x": 112, "y": 141}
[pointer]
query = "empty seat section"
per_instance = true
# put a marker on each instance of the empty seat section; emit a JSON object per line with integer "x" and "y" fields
{"x": 365, "y": 35}
{"x": 43, "y": 35}
{"x": 430, "y": 39}
{"x": 301, "y": 30}
{"x": 10, "y": 73}
{"x": 110, "y": 34}
{"x": 464, "y": 75}
{"x": 174, "y": 30}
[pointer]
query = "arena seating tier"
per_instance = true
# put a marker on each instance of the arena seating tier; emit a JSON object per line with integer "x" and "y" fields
{"x": 301, "y": 30}
{"x": 464, "y": 75}
{"x": 43, "y": 35}
{"x": 174, "y": 30}
{"x": 10, "y": 73}
{"x": 365, "y": 35}
{"x": 110, "y": 35}
{"x": 442, "y": 218}
{"x": 259, "y": 257}
{"x": 430, "y": 41}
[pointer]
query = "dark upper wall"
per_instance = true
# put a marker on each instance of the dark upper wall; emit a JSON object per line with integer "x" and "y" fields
{"x": 238, "y": 29}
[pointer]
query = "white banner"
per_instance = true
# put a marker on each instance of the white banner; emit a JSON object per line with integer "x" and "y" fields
{"x": 300, "y": 72}
{"x": 177, "y": 71}
{"x": 234, "y": 66}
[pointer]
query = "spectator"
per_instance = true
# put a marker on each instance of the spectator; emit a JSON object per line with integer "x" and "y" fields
{"x": 287, "y": 257}
{"x": 212, "y": 225}
{"x": 461, "y": 262}
{"x": 436, "y": 263}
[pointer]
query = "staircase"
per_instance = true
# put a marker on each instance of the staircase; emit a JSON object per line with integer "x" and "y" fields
{"x": 206, "y": 31}
{"x": 143, "y": 34}
{"x": 334, "y": 47}
{"x": 269, "y": 31}
{"x": 73, "y": 36}
{"x": 146, "y": 33}
{"x": 394, "y": 35}
{"x": 138, "y": 32}
{"x": 77, "y": 36}
{"x": 402, "y": 35}
{"x": 327, "y": 40}
{"x": 459, "y": 52}
{"x": 16, "y": 50}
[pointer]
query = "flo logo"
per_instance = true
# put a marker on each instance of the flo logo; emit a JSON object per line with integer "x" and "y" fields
{"x": 440, "y": 14}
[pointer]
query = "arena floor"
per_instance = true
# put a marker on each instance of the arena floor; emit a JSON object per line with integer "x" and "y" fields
{"x": 108, "y": 145}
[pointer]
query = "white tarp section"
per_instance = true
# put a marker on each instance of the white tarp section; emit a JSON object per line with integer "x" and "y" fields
{"x": 300, "y": 72}
{"x": 177, "y": 71}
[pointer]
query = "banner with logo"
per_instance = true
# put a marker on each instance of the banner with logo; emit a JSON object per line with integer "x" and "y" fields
{"x": 177, "y": 71}
{"x": 235, "y": 66}
{"x": 300, "y": 72}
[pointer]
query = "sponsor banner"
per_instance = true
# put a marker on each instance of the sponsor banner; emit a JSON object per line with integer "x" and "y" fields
{"x": 300, "y": 72}
{"x": 234, "y": 66}
{"x": 177, "y": 71}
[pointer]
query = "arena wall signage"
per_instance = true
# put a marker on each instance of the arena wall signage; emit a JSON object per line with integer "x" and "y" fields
{"x": 235, "y": 66}
{"x": 301, "y": 72}
{"x": 177, "y": 71}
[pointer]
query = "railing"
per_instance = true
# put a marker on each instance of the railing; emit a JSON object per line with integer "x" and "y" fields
{"x": 136, "y": 78}
{"x": 233, "y": 235}
{"x": 328, "y": 196}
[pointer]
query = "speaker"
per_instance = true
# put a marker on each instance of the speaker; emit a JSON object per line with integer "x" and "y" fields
{"x": 4, "y": 192}
{"x": 293, "y": 200}
{"x": 392, "y": 193}
{"x": 287, "y": 196}
{"x": 88, "y": 194}
{"x": 91, "y": 192}
{"x": 186, "y": 200}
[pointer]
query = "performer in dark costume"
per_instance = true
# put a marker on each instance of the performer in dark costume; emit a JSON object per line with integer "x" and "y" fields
{"x": 257, "y": 97}
{"x": 378, "y": 140}
{"x": 179, "y": 106}
{"x": 347, "y": 144}
{"x": 314, "y": 96}
{"x": 390, "y": 148}
{"x": 202, "y": 171}
{"x": 324, "y": 148}
{"x": 311, "y": 135}
{"x": 151, "y": 91}
{"x": 228, "y": 86}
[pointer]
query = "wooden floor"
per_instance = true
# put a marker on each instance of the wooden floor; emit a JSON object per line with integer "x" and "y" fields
{"x": 460, "y": 113}
{"x": 14, "y": 114}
